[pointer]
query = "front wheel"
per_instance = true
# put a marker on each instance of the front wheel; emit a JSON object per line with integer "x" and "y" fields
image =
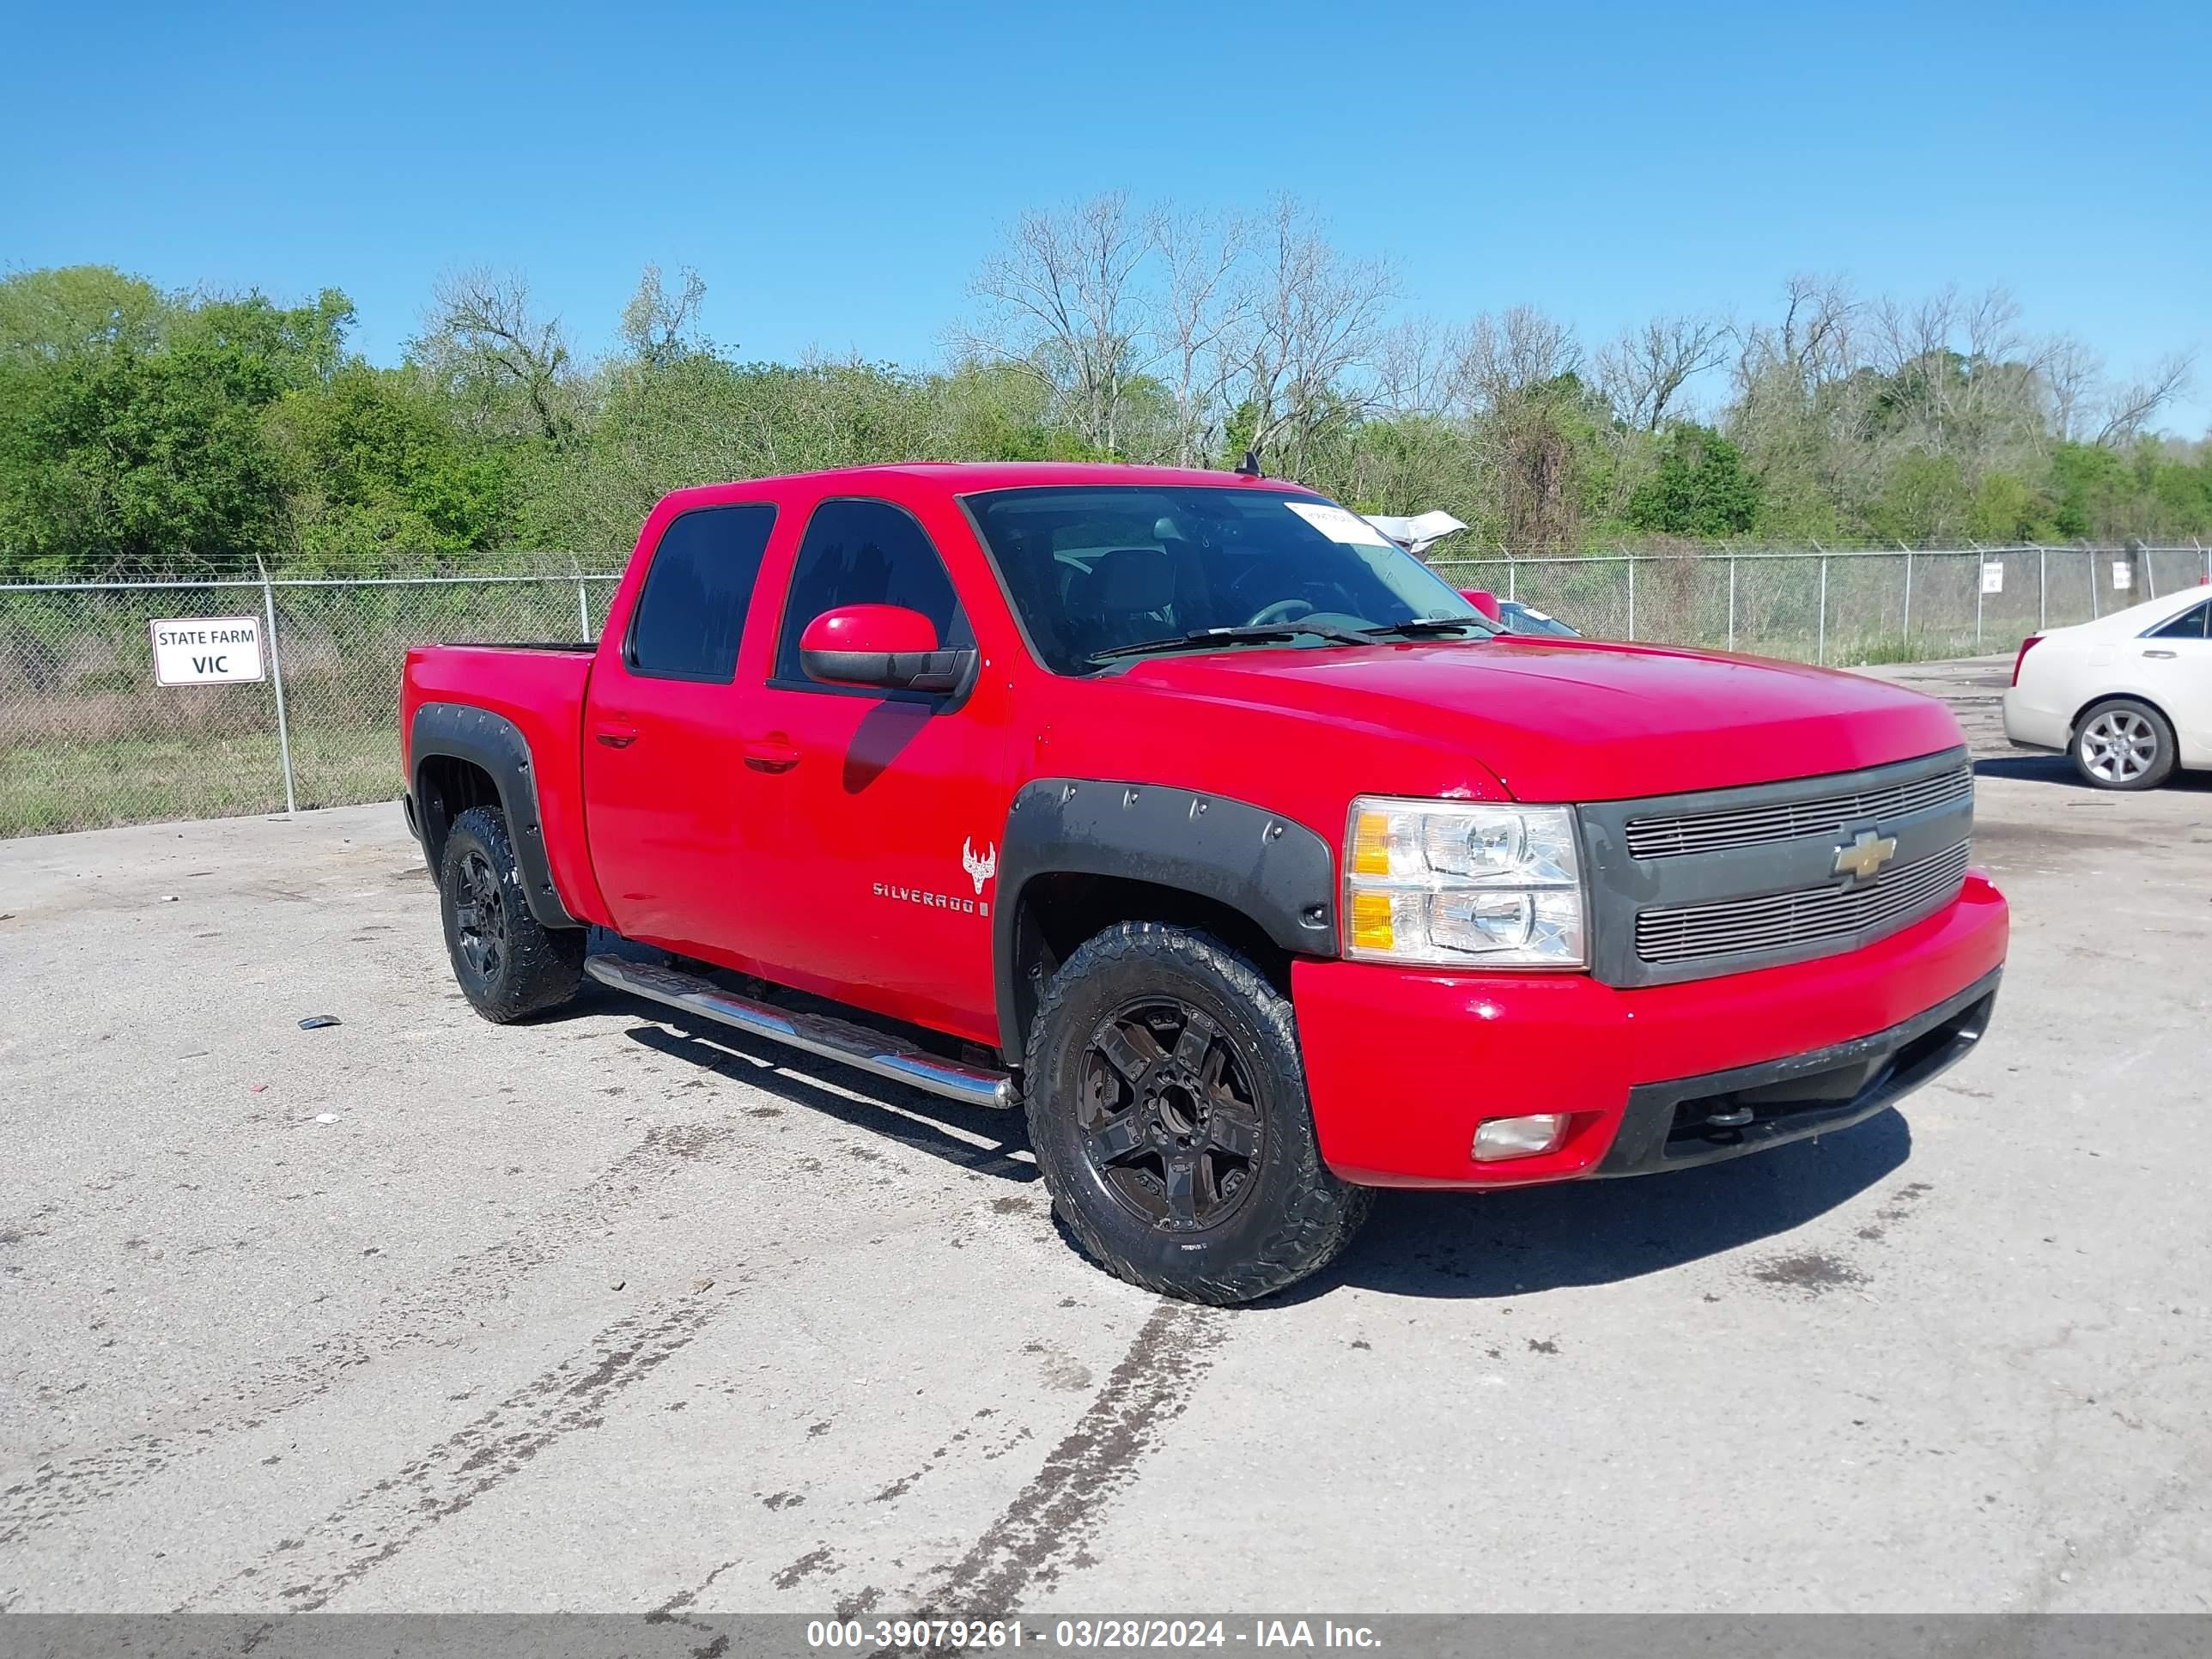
{"x": 2121, "y": 743}
{"x": 507, "y": 962}
{"x": 1167, "y": 1110}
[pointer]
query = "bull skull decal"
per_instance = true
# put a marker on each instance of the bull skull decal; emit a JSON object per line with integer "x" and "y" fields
{"x": 980, "y": 870}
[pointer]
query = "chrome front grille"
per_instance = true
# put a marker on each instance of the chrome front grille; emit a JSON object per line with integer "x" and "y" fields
{"x": 1809, "y": 916}
{"x": 1678, "y": 835}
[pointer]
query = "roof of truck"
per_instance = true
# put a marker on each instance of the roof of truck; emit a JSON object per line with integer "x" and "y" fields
{"x": 963, "y": 477}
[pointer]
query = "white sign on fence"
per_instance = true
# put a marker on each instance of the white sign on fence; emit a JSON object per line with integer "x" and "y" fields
{"x": 207, "y": 650}
{"x": 2123, "y": 576}
{"x": 1993, "y": 578}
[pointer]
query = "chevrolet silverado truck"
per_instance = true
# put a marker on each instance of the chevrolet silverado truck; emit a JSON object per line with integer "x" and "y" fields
{"x": 1185, "y": 813}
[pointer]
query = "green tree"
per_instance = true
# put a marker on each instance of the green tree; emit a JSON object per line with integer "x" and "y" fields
{"x": 1699, "y": 488}
{"x": 378, "y": 468}
{"x": 2008, "y": 508}
{"x": 1925, "y": 499}
{"x": 45, "y": 314}
{"x": 131, "y": 431}
{"x": 113, "y": 457}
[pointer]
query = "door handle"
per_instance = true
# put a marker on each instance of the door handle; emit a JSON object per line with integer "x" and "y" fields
{"x": 773, "y": 753}
{"x": 2163, "y": 654}
{"x": 615, "y": 737}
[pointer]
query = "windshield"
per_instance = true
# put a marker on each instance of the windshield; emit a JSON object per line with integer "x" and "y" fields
{"x": 1092, "y": 570}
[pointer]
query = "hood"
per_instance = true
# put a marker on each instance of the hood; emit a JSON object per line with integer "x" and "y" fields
{"x": 1560, "y": 719}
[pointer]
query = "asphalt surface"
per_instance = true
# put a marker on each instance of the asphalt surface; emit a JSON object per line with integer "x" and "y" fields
{"x": 609, "y": 1313}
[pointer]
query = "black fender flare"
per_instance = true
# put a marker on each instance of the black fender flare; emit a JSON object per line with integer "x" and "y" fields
{"x": 1265, "y": 865}
{"x": 496, "y": 743}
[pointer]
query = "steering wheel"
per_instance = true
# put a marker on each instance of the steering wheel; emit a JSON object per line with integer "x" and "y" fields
{"x": 1282, "y": 610}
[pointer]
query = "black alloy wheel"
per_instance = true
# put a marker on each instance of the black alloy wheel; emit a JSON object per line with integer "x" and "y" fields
{"x": 1167, "y": 1116}
{"x": 480, "y": 918}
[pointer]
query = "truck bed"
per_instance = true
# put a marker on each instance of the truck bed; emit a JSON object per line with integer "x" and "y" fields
{"x": 539, "y": 688}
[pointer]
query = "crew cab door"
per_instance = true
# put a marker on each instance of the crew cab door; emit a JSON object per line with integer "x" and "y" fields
{"x": 881, "y": 809}
{"x": 664, "y": 770}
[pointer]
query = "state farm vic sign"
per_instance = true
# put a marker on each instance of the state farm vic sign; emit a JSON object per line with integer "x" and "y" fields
{"x": 207, "y": 650}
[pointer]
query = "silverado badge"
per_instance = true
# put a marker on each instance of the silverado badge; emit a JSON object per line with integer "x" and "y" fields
{"x": 1864, "y": 856}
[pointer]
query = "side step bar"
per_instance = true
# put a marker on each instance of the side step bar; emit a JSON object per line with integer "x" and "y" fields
{"x": 814, "y": 1034}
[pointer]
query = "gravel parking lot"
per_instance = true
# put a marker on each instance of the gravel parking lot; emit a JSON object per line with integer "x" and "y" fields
{"x": 612, "y": 1312}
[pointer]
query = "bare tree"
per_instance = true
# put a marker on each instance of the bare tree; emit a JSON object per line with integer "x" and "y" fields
{"x": 1813, "y": 345}
{"x": 1417, "y": 365}
{"x": 2128, "y": 407}
{"x": 1644, "y": 371}
{"x": 1202, "y": 306}
{"x": 1514, "y": 378}
{"x": 1315, "y": 318}
{"x": 1521, "y": 348}
{"x": 481, "y": 330}
{"x": 2071, "y": 374}
{"x": 1063, "y": 303}
{"x": 658, "y": 327}
{"x": 1802, "y": 406}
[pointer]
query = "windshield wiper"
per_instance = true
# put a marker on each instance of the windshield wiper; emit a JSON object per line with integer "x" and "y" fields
{"x": 1244, "y": 636}
{"x": 1421, "y": 626}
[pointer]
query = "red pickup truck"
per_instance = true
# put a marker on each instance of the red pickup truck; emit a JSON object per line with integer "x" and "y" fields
{"x": 1187, "y": 813}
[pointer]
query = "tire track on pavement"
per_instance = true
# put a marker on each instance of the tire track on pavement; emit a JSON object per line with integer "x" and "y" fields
{"x": 445, "y": 1314}
{"x": 379, "y": 1522}
{"x": 1051, "y": 1519}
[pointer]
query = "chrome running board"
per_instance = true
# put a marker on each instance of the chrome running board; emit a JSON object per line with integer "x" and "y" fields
{"x": 814, "y": 1034}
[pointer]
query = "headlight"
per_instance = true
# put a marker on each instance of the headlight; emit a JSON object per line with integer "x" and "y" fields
{"x": 1466, "y": 883}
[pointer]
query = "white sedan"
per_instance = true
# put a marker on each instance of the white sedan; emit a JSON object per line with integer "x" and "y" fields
{"x": 2129, "y": 696}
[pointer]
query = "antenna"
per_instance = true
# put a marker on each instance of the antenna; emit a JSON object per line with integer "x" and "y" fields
{"x": 1249, "y": 466}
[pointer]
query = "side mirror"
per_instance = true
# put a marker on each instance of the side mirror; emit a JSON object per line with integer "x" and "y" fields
{"x": 1485, "y": 601}
{"x": 885, "y": 647}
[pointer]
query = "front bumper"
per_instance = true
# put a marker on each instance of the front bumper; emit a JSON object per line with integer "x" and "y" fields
{"x": 1402, "y": 1065}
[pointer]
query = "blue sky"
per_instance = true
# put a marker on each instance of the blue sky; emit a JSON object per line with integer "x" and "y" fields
{"x": 834, "y": 172}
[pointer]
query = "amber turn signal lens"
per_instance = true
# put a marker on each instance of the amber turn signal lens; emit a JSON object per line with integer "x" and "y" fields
{"x": 1371, "y": 929}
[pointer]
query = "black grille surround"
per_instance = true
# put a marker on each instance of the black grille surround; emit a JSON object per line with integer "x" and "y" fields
{"x": 1747, "y": 877}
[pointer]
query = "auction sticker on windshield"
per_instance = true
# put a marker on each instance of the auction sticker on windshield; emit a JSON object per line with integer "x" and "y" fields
{"x": 1339, "y": 524}
{"x": 207, "y": 650}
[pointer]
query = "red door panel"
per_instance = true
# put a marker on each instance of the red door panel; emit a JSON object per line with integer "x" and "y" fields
{"x": 665, "y": 768}
{"x": 661, "y": 772}
{"x": 879, "y": 812}
{"x": 880, "y": 881}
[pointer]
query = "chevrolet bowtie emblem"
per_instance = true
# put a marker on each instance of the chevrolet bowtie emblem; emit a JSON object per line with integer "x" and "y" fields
{"x": 1866, "y": 855}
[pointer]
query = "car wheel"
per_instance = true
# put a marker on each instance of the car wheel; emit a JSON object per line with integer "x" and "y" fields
{"x": 507, "y": 962}
{"x": 1168, "y": 1113}
{"x": 2121, "y": 743}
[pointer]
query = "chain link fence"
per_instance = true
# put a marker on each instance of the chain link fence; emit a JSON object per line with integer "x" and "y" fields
{"x": 1836, "y": 607}
{"x": 87, "y": 738}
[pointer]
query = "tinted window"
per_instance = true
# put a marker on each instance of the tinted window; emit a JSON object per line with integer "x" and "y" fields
{"x": 692, "y": 612}
{"x": 2189, "y": 625}
{"x": 865, "y": 553}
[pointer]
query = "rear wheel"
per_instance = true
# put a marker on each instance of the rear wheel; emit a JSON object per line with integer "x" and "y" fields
{"x": 1167, "y": 1109}
{"x": 2122, "y": 744}
{"x": 507, "y": 962}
